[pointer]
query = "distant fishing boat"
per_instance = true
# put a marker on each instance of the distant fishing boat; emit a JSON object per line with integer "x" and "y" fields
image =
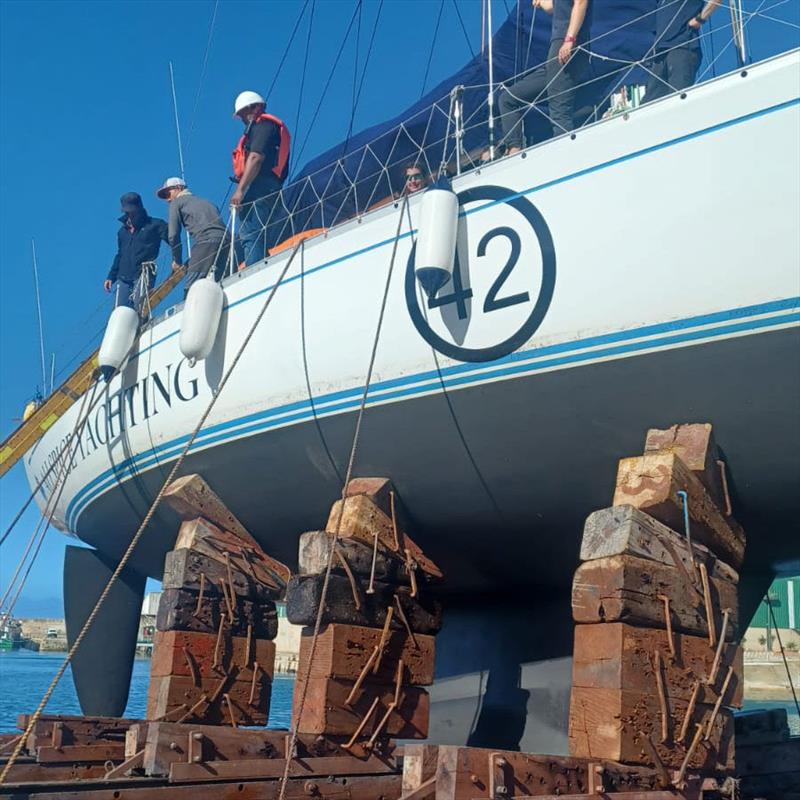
{"x": 639, "y": 272}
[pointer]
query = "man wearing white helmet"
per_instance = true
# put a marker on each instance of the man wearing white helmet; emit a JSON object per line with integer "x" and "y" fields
{"x": 260, "y": 164}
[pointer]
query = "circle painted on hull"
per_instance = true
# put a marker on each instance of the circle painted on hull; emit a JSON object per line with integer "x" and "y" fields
{"x": 492, "y": 303}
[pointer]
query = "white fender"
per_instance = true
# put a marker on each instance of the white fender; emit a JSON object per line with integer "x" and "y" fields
{"x": 436, "y": 239}
{"x": 200, "y": 320}
{"x": 118, "y": 339}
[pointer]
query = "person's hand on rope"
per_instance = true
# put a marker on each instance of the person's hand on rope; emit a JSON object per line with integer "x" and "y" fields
{"x": 236, "y": 199}
{"x": 107, "y": 284}
{"x": 565, "y": 51}
{"x": 176, "y": 267}
{"x": 545, "y": 5}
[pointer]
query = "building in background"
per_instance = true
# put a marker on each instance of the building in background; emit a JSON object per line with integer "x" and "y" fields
{"x": 784, "y": 599}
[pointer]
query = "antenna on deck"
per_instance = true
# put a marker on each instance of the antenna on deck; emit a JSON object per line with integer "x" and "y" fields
{"x": 180, "y": 145}
{"x": 39, "y": 314}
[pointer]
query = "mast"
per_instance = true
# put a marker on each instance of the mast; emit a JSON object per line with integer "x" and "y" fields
{"x": 39, "y": 315}
{"x": 491, "y": 78}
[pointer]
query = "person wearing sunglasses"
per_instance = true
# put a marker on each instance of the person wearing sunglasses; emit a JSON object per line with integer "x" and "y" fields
{"x": 415, "y": 178}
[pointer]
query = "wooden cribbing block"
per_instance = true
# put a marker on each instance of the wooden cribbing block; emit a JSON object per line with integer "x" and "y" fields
{"x": 325, "y": 712}
{"x": 619, "y": 656}
{"x": 176, "y": 696}
{"x": 211, "y": 541}
{"x": 629, "y": 589}
{"x": 343, "y": 650}
{"x": 362, "y": 519}
{"x": 651, "y": 483}
{"x": 179, "y": 652}
{"x": 694, "y": 444}
{"x": 625, "y": 530}
{"x": 184, "y": 568}
{"x": 304, "y": 593}
{"x": 315, "y": 548}
{"x": 610, "y": 723}
{"x": 178, "y": 611}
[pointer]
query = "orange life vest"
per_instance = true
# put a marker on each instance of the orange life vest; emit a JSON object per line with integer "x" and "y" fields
{"x": 240, "y": 154}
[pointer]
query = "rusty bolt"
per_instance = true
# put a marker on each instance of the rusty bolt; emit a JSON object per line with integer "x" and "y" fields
{"x": 197, "y": 736}
{"x": 173, "y": 745}
{"x": 196, "y": 759}
{"x": 311, "y": 788}
{"x": 474, "y": 778}
{"x": 501, "y": 762}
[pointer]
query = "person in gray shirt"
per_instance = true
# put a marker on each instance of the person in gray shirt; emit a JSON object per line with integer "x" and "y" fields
{"x": 210, "y": 238}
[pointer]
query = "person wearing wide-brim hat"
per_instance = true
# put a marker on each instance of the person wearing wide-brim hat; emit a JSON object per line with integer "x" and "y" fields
{"x": 200, "y": 218}
{"x": 138, "y": 242}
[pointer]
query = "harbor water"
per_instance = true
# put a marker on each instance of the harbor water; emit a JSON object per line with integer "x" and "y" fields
{"x": 25, "y": 676}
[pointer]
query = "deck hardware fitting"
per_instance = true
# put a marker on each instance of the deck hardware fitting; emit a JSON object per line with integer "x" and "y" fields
{"x": 712, "y": 632}
{"x": 361, "y": 725}
{"x": 256, "y": 668}
{"x": 668, "y": 621}
{"x": 363, "y": 674}
{"x": 384, "y": 637}
{"x": 371, "y": 587}
{"x": 194, "y": 752}
{"x": 718, "y": 704}
{"x": 724, "y": 475}
{"x": 689, "y": 711}
{"x": 712, "y": 676}
{"x": 350, "y": 577}
{"x": 662, "y": 697}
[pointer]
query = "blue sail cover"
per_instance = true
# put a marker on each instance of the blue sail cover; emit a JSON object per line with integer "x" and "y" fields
{"x": 367, "y": 169}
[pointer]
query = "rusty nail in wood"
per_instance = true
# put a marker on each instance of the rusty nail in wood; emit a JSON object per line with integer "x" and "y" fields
{"x": 350, "y": 577}
{"x": 384, "y": 637}
{"x": 202, "y": 591}
{"x": 712, "y": 633}
{"x": 228, "y": 605}
{"x": 411, "y": 567}
{"x": 253, "y": 683}
{"x": 717, "y": 705}
{"x": 662, "y": 698}
{"x": 192, "y": 668}
{"x": 215, "y": 662}
{"x": 698, "y": 733}
{"x": 668, "y": 620}
{"x": 227, "y": 699}
{"x": 724, "y": 475}
{"x": 188, "y": 714}
{"x": 395, "y": 531}
{"x": 362, "y": 675}
{"x": 689, "y": 711}
{"x": 726, "y": 613}
{"x": 389, "y": 709}
{"x": 361, "y": 725}
{"x": 663, "y": 774}
{"x": 404, "y": 620}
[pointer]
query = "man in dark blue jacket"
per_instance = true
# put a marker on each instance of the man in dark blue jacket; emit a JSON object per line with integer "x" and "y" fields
{"x": 138, "y": 242}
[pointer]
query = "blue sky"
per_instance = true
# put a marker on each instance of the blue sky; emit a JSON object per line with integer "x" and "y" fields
{"x": 86, "y": 114}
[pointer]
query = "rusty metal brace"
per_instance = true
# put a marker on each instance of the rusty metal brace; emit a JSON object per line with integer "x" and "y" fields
{"x": 389, "y": 709}
{"x": 687, "y": 528}
{"x": 256, "y": 668}
{"x": 194, "y": 751}
{"x": 371, "y": 587}
{"x": 395, "y": 532}
{"x": 698, "y": 733}
{"x": 726, "y": 613}
{"x": 192, "y": 667}
{"x": 228, "y": 605}
{"x": 689, "y": 711}
{"x": 718, "y": 704}
{"x": 663, "y": 773}
{"x": 404, "y": 620}
{"x": 668, "y": 620}
{"x": 226, "y": 697}
{"x": 411, "y": 567}
{"x": 712, "y": 631}
{"x": 361, "y": 725}
{"x": 202, "y": 592}
{"x": 724, "y": 475}
{"x": 350, "y": 577}
{"x": 135, "y": 761}
{"x": 497, "y": 776}
{"x": 662, "y": 697}
{"x": 363, "y": 674}
{"x": 215, "y": 663}
{"x": 384, "y": 636}
{"x": 57, "y": 734}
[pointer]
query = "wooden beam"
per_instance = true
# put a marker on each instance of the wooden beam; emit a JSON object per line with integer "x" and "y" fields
{"x": 651, "y": 483}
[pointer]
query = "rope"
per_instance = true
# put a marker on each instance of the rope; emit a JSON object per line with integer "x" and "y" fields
{"x": 783, "y": 654}
{"x": 202, "y": 76}
{"x": 305, "y": 67}
{"x": 140, "y": 531}
{"x": 349, "y": 474}
{"x": 463, "y": 28}
{"x": 286, "y": 50}
{"x": 433, "y": 47}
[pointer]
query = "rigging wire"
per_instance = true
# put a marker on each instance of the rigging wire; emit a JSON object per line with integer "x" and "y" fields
{"x": 783, "y": 653}
{"x": 305, "y": 69}
{"x": 202, "y": 77}
{"x": 327, "y": 84}
{"x": 463, "y": 28}
{"x": 433, "y": 47}
{"x": 286, "y": 50}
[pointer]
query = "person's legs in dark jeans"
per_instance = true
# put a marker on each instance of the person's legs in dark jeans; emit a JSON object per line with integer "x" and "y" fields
{"x": 253, "y": 232}
{"x": 657, "y": 85}
{"x": 514, "y": 101}
{"x": 682, "y": 64}
{"x": 124, "y": 293}
{"x": 562, "y": 80}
